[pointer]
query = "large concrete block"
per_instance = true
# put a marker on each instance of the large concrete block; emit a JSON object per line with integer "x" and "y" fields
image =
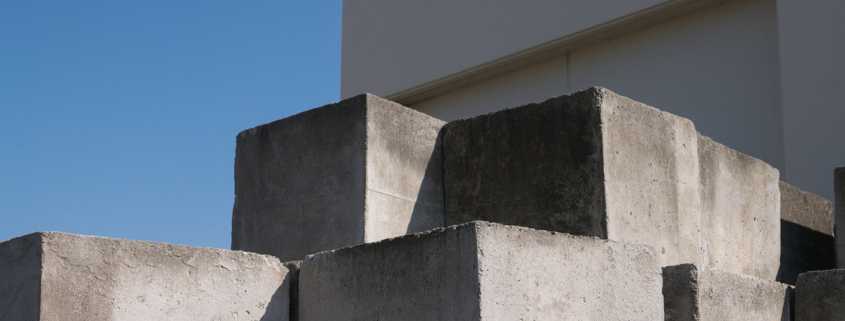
{"x": 806, "y": 233}
{"x": 357, "y": 171}
{"x": 740, "y": 199}
{"x": 483, "y": 271}
{"x": 839, "y": 201}
{"x": 63, "y": 277}
{"x": 592, "y": 163}
{"x": 693, "y": 294}
{"x": 820, "y": 296}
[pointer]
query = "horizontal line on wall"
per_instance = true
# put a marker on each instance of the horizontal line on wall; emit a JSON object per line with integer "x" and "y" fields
{"x": 548, "y": 50}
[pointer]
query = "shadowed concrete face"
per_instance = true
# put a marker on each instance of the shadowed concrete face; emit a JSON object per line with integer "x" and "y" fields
{"x": 599, "y": 164}
{"x": 806, "y": 232}
{"x": 691, "y": 294}
{"x": 357, "y": 171}
{"x": 483, "y": 271}
{"x": 54, "y": 276}
{"x": 593, "y": 163}
{"x": 819, "y": 296}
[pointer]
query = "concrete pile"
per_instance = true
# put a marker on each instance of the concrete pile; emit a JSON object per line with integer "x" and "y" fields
{"x": 590, "y": 206}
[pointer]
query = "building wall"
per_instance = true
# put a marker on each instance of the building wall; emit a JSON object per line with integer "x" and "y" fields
{"x": 717, "y": 66}
{"x": 391, "y": 45}
{"x": 762, "y": 76}
{"x": 812, "y": 47}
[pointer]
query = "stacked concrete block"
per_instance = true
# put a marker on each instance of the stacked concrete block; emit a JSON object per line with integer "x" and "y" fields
{"x": 53, "y": 276}
{"x": 483, "y": 271}
{"x": 599, "y": 164}
{"x": 593, "y": 163}
{"x": 820, "y": 296}
{"x": 839, "y": 199}
{"x": 357, "y": 171}
{"x": 806, "y": 234}
{"x": 693, "y": 294}
{"x": 740, "y": 199}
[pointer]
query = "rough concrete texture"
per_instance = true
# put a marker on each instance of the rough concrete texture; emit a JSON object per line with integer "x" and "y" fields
{"x": 55, "y": 276}
{"x": 839, "y": 201}
{"x": 820, "y": 296}
{"x": 20, "y": 278}
{"x": 483, "y": 271}
{"x": 593, "y": 163}
{"x": 356, "y": 171}
{"x": 692, "y": 294}
{"x": 806, "y": 236}
{"x": 740, "y": 215}
{"x": 806, "y": 209}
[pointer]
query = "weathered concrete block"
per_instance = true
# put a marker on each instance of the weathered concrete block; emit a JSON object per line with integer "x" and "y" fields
{"x": 592, "y": 163}
{"x": 839, "y": 200}
{"x": 692, "y": 294}
{"x": 483, "y": 271}
{"x": 806, "y": 233}
{"x": 63, "y": 277}
{"x": 740, "y": 199}
{"x": 357, "y": 171}
{"x": 820, "y": 296}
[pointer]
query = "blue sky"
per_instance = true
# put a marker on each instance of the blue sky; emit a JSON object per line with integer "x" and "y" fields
{"x": 118, "y": 118}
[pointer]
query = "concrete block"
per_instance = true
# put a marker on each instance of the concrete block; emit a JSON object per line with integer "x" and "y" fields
{"x": 693, "y": 294}
{"x": 55, "y": 276}
{"x": 740, "y": 201}
{"x": 360, "y": 170}
{"x": 820, "y": 296}
{"x": 806, "y": 233}
{"x": 593, "y": 163}
{"x": 839, "y": 201}
{"x": 483, "y": 271}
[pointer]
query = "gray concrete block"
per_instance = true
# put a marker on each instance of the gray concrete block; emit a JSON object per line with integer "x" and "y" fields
{"x": 740, "y": 201}
{"x": 693, "y": 294}
{"x": 820, "y": 296}
{"x": 806, "y": 228}
{"x": 839, "y": 201}
{"x": 55, "y": 276}
{"x": 483, "y": 271}
{"x": 806, "y": 209}
{"x": 360, "y": 170}
{"x": 593, "y": 163}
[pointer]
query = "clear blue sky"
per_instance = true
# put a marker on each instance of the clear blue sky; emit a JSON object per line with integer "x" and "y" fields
{"x": 118, "y": 118}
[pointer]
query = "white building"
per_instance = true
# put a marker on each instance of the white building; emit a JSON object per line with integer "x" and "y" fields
{"x": 762, "y": 76}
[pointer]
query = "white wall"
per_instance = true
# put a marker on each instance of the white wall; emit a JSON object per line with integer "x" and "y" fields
{"x": 812, "y": 36}
{"x": 534, "y": 83}
{"x": 391, "y": 45}
{"x": 717, "y": 66}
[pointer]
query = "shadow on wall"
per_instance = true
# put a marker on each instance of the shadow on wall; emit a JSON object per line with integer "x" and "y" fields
{"x": 802, "y": 250}
{"x": 429, "y": 210}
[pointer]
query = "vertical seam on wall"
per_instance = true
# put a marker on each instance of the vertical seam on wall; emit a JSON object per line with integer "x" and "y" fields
{"x": 442, "y": 152}
{"x": 567, "y": 75}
